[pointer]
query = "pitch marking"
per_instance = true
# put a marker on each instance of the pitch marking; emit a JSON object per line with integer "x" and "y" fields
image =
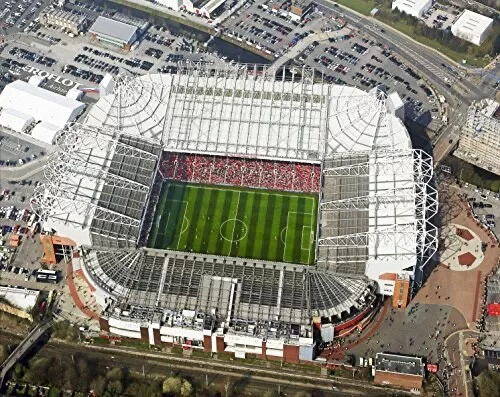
{"x": 235, "y": 220}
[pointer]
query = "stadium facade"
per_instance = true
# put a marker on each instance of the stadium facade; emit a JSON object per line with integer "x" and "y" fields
{"x": 373, "y": 226}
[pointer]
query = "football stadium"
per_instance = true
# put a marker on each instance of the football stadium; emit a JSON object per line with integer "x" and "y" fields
{"x": 241, "y": 210}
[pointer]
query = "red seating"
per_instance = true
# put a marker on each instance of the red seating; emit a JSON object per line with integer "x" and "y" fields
{"x": 264, "y": 174}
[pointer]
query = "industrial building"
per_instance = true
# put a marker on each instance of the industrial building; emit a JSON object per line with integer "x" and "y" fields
{"x": 479, "y": 142}
{"x": 397, "y": 370}
{"x": 18, "y": 301}
{"x": 26, "y": 107}
{"x": 300, "y": 9}
{"x": 472, "y": 27}
{"x": 202, "y": 7}
{"x": 373, "y": 230}
{"x": 114, "y": 33}
{"x": 416, "y": 8}
{"x": 73, "y": 23}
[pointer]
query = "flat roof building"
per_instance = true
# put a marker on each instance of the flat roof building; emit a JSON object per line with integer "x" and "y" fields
{"x": 479, "y": 142}
{"x": 72, "y": 22}
{"x": 116, "y": 33}
{"x": 397, "y": 370}
{"x": 472, "y": 27}
{"x": 202, "y": 7}
{"x": 416, "y": 8}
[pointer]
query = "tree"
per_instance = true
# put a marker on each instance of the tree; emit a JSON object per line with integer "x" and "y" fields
{"x": 271, "y": 393}
{"x": 488, "y": 383}
{"x": 115, "y": 374}
{"x": 39, "y": 369}
{"x": 302, "y": 394}
{"x": 98, "y": 385}
{"x": 70, "y": 378}
{"x": 186, "y": 389}
{"x": 83, "y": 370}
{"x": 3, "y": 353}
{"x": 114, "y": 389}
{"x": 172, "y": 385}
{"x": 143, "y": 390}
{"x": 19, "y": 371}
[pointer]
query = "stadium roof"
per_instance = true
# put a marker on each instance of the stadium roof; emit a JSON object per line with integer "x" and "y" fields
{"x": 99, "y": 184}
{"x": 240, "y": 112}
{"x": 374, "y": 206}
{"x": 111, "y": 28}
{"x": 253, "y": 291}
{"x": 41, "y": 104}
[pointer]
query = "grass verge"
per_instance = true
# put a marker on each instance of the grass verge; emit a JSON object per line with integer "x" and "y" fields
{"x": 365, "y": 6}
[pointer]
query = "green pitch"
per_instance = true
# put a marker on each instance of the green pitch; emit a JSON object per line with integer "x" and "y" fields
{"x": 258, "y": 224}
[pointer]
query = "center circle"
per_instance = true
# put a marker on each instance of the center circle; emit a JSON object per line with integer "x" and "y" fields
{"x": 233, "y": 227}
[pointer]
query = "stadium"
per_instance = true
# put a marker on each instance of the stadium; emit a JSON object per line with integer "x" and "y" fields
{"x": 242, "y": 211}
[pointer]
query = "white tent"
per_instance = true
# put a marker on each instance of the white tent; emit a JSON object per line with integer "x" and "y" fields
{"x": 41, "y": 104}
{"x": 15, "y": 120}
{"x": 46, "y": 132}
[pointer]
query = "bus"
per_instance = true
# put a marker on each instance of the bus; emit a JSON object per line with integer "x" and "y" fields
{"x": 46, "y": 276}
{"x": 31, "y": 220}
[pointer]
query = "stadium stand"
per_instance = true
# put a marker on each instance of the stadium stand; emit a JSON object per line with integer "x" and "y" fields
{"x": 254, "y": 173}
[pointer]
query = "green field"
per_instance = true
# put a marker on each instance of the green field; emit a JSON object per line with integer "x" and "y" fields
{"x": 258, "y": 224}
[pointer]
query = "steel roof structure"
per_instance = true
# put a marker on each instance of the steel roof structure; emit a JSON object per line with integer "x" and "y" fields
{"x": 240, "y": 291}
{"x": 375, "y": 199}
{"x": 248, "y": 112}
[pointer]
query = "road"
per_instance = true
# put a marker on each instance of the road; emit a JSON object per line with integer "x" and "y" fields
{"x": 449, "y": 78}
{"x": 426, "y": 60}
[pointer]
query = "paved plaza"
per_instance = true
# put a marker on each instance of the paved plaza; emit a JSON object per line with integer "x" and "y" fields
{"x": 461, "y": 248}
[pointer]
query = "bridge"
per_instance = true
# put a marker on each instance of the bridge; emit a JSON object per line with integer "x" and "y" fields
{"x": 18, "y": 353}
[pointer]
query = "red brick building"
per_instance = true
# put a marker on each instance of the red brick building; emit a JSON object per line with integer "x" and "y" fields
{"x": 396, "y": 370}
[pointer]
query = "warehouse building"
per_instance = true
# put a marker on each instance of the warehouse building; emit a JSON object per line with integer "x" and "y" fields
{"x": 73, "y": 23}
{"x": 115, "y": 33}
{"x": 472, "y": 27}
{"x": 479, "y": 142}
{"x": 202, "y": 7}
{"x": 28, "y": 108}
{"x": 416, "y": 8}
{"x": 396, "y": 370}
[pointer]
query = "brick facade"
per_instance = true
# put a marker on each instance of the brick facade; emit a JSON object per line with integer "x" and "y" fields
{"x": 402, "y": 380}
{"x": 104, "y": 324}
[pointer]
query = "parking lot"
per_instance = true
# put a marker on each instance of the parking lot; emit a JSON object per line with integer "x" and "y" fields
{"x": 441, "y": 16}
{"x": 16, "y": 151}
{"x": 259, "y": 25}
{"x": 17, "y": 15}
{"x": 359, "y": 61}
{"x": 486, "y": 208}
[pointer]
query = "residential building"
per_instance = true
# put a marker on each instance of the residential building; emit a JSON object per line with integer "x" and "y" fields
{"x": 480, "y": 138}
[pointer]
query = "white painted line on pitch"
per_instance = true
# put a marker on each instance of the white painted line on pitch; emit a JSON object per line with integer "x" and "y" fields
{"x": 234, "y": 224}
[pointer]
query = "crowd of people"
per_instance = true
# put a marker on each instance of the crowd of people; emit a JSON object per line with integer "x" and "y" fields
{"x": 255, "y": 173}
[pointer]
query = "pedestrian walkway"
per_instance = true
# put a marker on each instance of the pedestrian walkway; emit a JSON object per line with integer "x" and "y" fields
{"x": 338, "y": 353}
{"x": 85, "y": 307}
{"x": 460, "y": 289}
